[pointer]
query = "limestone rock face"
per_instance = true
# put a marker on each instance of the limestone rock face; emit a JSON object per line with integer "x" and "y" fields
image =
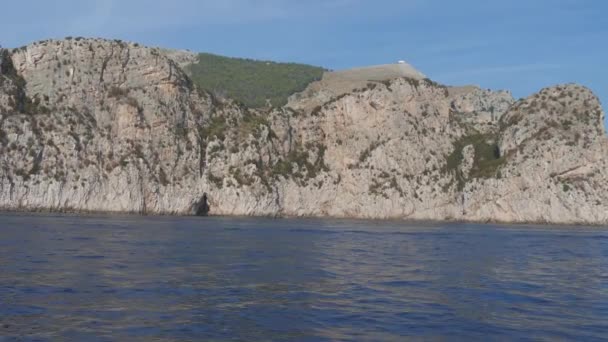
{"x": 481, "y": 108}
{"x": 101, "y": 125}
{"x": 98, "y": 125}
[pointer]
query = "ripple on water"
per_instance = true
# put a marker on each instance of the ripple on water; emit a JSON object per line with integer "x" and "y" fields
{"x": 11, "y": 310}
{"x": 223, "y": 279}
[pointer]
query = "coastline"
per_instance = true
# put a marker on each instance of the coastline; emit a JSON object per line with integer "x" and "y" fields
{"x": 89, "y": 213}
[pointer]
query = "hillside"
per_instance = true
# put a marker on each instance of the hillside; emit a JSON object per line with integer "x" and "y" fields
{"x": 252, "y": 82}
{"x": 100, "y": 125}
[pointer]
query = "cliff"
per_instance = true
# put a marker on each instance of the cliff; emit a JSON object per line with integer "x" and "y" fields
{"x": 98, "y": 125}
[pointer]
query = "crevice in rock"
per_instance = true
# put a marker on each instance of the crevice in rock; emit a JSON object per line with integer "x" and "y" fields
{"x": 104, "y": 64}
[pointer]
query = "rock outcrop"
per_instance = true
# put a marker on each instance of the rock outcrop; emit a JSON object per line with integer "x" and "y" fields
{"x": 98, "y": 125}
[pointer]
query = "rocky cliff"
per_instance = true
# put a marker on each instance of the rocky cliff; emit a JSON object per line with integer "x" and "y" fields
{"x": 98, "y": 125}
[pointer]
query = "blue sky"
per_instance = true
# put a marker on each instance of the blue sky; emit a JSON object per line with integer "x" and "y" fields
{"x": 520, "y": 45}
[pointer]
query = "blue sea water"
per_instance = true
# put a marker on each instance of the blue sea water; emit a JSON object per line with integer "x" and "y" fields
{"x": 71, "y": 278}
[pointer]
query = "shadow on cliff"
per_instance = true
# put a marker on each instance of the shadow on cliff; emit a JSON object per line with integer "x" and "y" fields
{"x": 201, "y": 207}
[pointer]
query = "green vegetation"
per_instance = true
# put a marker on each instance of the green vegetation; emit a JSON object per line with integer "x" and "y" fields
{"x": 377, "y": 188}
{"x": 18, "y": 99}
{"x": 216, "y": 128}
{"x": 487, "y": 161}
{"x": 367, "y": 152}
{"x": 566, "y": 124}
{"x": 300, "y": 157}
{"x": 252, "y": 124}
{"x": 218, "y": 181}
{"x": 383, "y": 183}
{"x": 252, "y": 82}
{"x": 240, "y": 178}
{"x": 117, "y": 92}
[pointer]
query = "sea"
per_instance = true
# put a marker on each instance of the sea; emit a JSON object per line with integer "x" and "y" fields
{"x": 133, "y": 278}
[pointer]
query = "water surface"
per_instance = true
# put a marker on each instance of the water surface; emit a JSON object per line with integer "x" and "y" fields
{"x": 174, "y": 279}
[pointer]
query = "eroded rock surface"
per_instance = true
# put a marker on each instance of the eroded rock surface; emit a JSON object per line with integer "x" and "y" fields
{"x": 98, "y": 125}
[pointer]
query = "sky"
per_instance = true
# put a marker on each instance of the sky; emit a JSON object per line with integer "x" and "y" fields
{"x": 519, "y": 45}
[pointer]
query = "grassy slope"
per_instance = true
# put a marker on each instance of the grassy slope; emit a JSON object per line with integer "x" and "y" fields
{"x": 252, "y": 82}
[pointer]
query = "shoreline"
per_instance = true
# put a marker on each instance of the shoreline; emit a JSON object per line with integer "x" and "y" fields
{"x": 89, "y": 213}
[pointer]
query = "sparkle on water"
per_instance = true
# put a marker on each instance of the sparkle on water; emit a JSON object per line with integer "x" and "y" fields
{"x": 170, "y": 279}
